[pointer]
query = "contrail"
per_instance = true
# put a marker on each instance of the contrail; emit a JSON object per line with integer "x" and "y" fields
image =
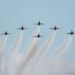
{"x": 64, "y": 46}
{"x": 30, "y": 50}
{"x": 61, "y": 67}
{"x": 54, "y": 67}
{"x": 16, "y": 44}
{"x": 2, "y": 45}
{"x": 37, "y": 30}
{"x": 15, "y": 47}
{"x": 58, "y": 54}
{"x": 26, "y": 64}
{"x": 43, "y": 52}
{"x": 13, "y": 53}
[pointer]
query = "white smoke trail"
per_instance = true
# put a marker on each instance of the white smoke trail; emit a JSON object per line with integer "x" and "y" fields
{"x": 30, "y": 50}
{"x": 54, "y": 62}
{"x": 16, "y": 45}
{"x": 26, "y": 66}
{"x": 13, "y": 54}
{"x": 43, "y": 52}
{"x": 31, "y": 43}
{"x": 34, "y": 62}
{"x": 68, "y": 68}
{"x": 63, "y": 67}
{"x": 37, "y": 30}
{"x": 2, "y": 45}
{"x": 64, "y": 46}
{"x": 15, "y": 48}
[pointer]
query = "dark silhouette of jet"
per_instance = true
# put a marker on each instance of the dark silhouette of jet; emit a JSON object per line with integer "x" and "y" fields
{"x": 38, "y": 36}
{"x": 22, "y": 28}
{"x": 39, "y": 23}
{"x": 6, "y": 33}
{"x": 55, "y": 28}
{"x": 71, "y": 33}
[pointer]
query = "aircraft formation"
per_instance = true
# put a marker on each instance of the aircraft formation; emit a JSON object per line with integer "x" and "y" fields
{"x": 39, "y": 24}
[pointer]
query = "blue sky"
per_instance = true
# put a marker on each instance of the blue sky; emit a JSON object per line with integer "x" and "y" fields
{"x": 15, "y": 13}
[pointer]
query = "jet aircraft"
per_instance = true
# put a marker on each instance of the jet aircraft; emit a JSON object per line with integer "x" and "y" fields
{"x": 55, "y": 28}
{"x": 71, "y": 33}
{"x": 38, "y": 36}
{"x": 22, "y": 28}
{"x": 6, "y": 33}
{"x": 39, "y": 23}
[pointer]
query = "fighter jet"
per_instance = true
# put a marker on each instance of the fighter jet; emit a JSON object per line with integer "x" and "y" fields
{"x": 38, "y": 36}
{"x": 6, "y": 33}
{"x": 22, "y": 28}
{"x": 71, "y": 33}
{"x": 55, "y": 28}
{"x": 39, "y": 23}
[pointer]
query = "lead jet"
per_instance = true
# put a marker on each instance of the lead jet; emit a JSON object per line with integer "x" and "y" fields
{"x": 55, "y": 28}
{"x": 22, "y": 28}
{"x": 71, "y": 33}
{"x": 6, "y": 33}
{"x": 39, "y": 23}
{"x": 38, "y": 36}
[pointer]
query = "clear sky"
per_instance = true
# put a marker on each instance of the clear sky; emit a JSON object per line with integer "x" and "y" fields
{"x": 15, "y": 13}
